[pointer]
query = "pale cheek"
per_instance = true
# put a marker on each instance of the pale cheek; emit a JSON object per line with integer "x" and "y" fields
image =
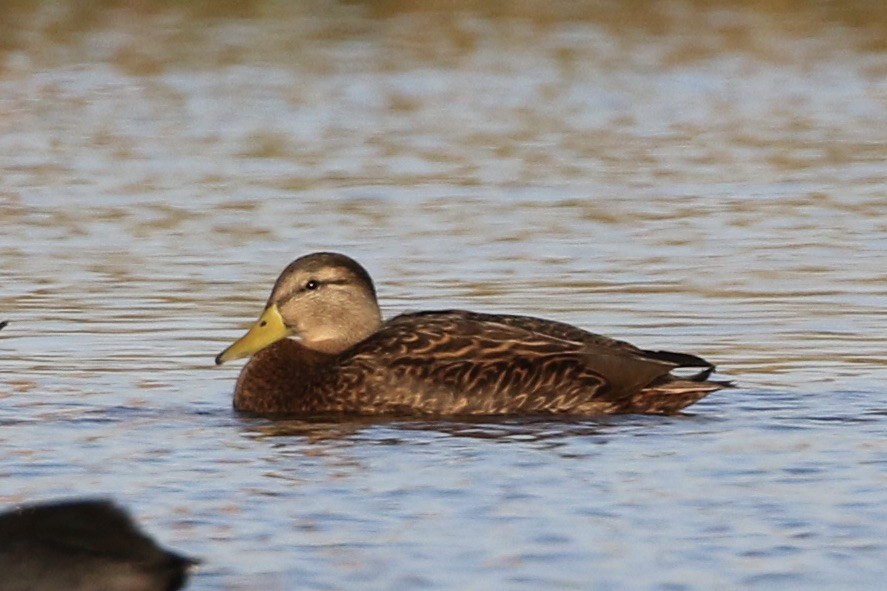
{"x": 315, "y": 327}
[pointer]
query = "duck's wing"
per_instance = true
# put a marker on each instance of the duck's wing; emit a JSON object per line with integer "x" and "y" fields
{"x": 559, "y": 330}
{"x": 456, "y": 362}
{"x": 569, "y": 332}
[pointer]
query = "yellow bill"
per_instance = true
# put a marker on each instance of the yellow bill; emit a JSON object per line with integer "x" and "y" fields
{"x": 269, "y": 328}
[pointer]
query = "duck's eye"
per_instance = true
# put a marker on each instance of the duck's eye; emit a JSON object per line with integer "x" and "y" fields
{"x": 312, "y": 284}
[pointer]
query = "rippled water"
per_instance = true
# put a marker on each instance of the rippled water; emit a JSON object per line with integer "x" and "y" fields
{"x": 706, "y": 177}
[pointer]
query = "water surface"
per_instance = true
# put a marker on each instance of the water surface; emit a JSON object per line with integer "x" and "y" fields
{"x": 690, "y": 176}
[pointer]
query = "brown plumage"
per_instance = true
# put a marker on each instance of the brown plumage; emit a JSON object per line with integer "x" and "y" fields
{"x": 453, "y": 362}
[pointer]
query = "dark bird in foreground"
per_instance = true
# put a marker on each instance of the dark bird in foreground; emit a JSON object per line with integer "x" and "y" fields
{"x": 83, "y": 545}
{"x": 342, "y": 358}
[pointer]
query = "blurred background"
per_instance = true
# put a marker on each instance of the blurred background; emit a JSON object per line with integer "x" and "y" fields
{"x": 699, "y": 176}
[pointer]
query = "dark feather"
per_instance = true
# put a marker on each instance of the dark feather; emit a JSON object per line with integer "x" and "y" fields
{"x": 83, "y": 545}
{"x": 463, "y": 363}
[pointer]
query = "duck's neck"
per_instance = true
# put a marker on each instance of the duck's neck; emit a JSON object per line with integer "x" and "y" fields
{"x": 278, "y": 379}
{"x": 339, "y": 329}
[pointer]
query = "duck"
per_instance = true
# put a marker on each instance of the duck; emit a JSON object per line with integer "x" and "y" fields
{"x": 321, "y": 347}
{"x": 83, "y": 545}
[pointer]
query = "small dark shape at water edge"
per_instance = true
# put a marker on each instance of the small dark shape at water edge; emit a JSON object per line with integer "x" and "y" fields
{"x": 83, "y": 545}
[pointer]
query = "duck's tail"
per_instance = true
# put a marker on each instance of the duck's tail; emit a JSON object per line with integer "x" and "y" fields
{"x": 670, "y": 394}
{"x": 671, "y": 397}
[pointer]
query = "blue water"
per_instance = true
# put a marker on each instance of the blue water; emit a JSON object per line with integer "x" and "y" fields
{"x": 708, "y": 180}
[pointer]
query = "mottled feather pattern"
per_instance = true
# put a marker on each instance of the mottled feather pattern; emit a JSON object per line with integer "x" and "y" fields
{"x": 456, "y": 362}
{"x": 344, "y": 359}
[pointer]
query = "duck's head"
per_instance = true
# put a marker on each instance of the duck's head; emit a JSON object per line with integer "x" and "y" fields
{"x": 325, "y": 300}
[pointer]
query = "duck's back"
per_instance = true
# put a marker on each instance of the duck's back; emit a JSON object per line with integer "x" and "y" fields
{"x": 463, "y": 363}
